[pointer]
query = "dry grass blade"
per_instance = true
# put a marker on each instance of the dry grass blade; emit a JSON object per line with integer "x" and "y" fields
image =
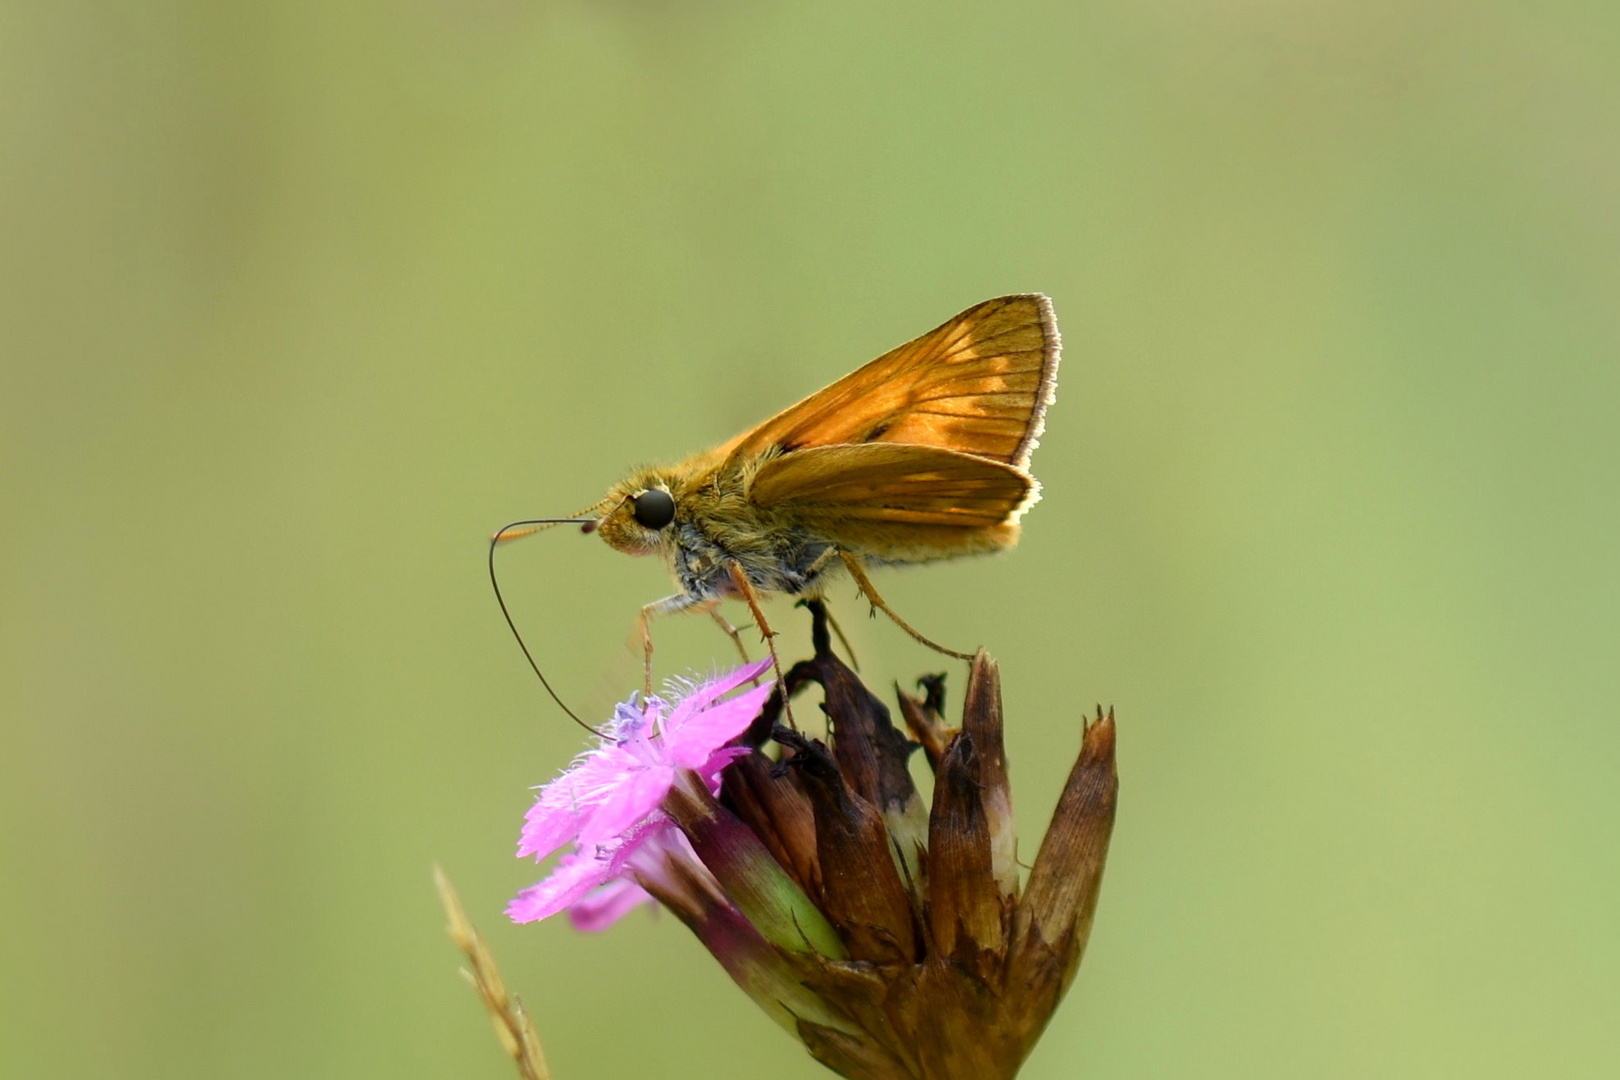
{"x": 512, "y": 1024}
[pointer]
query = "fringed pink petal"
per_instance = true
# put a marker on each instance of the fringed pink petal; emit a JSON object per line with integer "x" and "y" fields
{"x": 607, "y": 904}
{"x": 692, "y": 743}
{"x": 608, "y": 802}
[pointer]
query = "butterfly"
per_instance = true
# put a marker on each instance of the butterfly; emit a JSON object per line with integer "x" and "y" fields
{"x": 920, "y": 455}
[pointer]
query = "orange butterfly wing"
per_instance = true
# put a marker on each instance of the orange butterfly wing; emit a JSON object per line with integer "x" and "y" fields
{"x": 898, "y": 502}
{"x": 979, "y": 384}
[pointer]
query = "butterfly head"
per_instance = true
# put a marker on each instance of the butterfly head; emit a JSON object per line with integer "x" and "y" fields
{"x": 641, "y": 509}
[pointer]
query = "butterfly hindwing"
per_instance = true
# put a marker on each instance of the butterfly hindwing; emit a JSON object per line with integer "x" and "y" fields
{"x": 895, "y": 483}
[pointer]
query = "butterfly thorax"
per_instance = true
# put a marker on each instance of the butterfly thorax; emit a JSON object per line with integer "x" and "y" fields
{"x": 718, "y": 526}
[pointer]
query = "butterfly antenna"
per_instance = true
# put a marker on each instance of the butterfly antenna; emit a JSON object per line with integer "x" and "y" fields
{"x": 514, "y": 531}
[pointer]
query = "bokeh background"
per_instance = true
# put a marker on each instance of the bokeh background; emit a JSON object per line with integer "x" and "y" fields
{"x": 299, "y": 301}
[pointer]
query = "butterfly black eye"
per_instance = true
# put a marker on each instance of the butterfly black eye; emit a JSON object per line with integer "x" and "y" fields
{"x": 653, "y": 508}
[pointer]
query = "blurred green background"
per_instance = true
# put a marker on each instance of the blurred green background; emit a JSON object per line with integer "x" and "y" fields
{"x": 299, "y": 301}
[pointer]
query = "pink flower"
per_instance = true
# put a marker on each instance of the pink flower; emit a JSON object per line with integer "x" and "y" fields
{"x": 608, "y": 803}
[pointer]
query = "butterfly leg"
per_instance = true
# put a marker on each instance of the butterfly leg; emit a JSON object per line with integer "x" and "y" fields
{"x": 828, "y": 554}
{"x": 856, "y": 571}
{"x": 739, "y": 578}
{"x": 842, "y": 640}
{"x": 667, "y": 606}
{"x": 732, "y": 632}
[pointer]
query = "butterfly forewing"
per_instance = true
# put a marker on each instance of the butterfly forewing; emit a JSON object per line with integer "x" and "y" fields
{"x": 979, "y": 384}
